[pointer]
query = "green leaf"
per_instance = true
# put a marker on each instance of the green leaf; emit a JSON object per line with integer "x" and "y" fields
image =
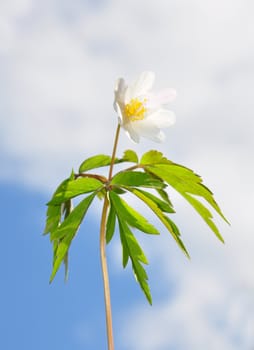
{"x": 173, "y": 226}
{"x": 111, "y": 222}
{"x": 55, "y": 245}
{"x": 131, "y": 216}
{"x": 164, "y": 196}
{"x": 66, "y": 266}
{"x": 125, "y": 248}
{"x": 187, "y": 183}
{"x": 54, "y": 212}
{"x": 164, "y": 206}
{"x": 184, "y": 180}
{"x": 66, "y": 208}
{"x": 154, "y": 157}
{"x": 73, "y": 220}
{"x": 205, "y": 214}
{"x": 65, "y": 233}
{"x": 130, "y": 156}
{"x": 118, "y": 190}
{"x": 102, "y": 160}
{"x": 136, "y": 178}
{"x": 72, "y": 188}
{"x": 132, "y": 249}
{"x": 53, "y": 218}
{"x": 97, "y": 161}
{"x": 142, "y": 278}
{"x": 163, "y": 218}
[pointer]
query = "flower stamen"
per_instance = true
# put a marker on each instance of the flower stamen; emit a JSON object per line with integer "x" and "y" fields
{"x": 135, "y": 110}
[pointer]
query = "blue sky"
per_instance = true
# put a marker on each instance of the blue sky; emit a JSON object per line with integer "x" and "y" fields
{"x": 39, "y": 315}
{"x": 58, "y": 65}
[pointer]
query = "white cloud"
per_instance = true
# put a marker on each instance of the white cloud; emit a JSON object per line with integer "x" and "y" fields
{"x": 58, "y": 66}
{"x": 210, "y": 299}
{"x": 58, "y": 74}
{"x": 204, "y": 314}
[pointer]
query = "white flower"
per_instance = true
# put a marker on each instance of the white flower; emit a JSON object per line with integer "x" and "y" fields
{"x": 140, "y": 112}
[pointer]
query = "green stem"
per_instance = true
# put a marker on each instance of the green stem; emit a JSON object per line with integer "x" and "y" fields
{"x": 103, "y": 252}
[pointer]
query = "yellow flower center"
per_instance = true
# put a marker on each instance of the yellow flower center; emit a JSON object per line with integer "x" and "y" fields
{"x": 135, "y": 110}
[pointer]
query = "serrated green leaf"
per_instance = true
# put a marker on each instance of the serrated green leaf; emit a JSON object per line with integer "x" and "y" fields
{"x": 73, "y": 220}
{"x": 118, "y": 190}
{"x": 130, "y": 246}
{"x": 66, "y": 266}
{"x": 66, "y": 209}
{"x": 132, "y": 249}
{"x": 185, "y": 181}
{"x": 164, "y": 206}
{"x": 130, "y": 156}
{"x": 97, "y": 161}
{"x": 111, "y": 222}
{"x": 72, "y": 188}
{"x": 131, "y": 216}
{"x": 164, "y": 196}
{"x": 101, "y": 160}
{"x": 125, "y": 248}
{"x": 72, "y": 176}
{"x": 205, "y": 214}
{"x": 173, "y": 226}
{"x": 163, "y": 218}
{"x": 54, "y": 212}
{"x": 54, "y": 245}
{"x": 65, "y": 233}
{"x": 60, "y": 254}
{"x": 136, "y": 178}
{"x": 154, "y": 157}
{"x": 53, "y": 218}
{"x": 142, "y": 278}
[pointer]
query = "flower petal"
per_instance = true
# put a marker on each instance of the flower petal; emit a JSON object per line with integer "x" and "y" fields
{"x": 140, "y": 87}
{"x": 133, "y": 135}
{"x": 140, "y": 112}
{"x": 120, "y": 89}
{"x": 148, "y": 129}
{"x": 162, "y": 118}
{"x": 119, "y": 113}
{"x": 161, "y": 98}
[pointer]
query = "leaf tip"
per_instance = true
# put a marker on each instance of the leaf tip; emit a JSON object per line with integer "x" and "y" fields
{"x": 150, "y": 301}
{"x": 53, "y": 274}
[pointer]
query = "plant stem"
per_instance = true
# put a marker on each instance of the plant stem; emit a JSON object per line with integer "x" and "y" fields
{"x": 105, "y": 275}
{"x": 114, "y": 152}
{"x": 103, "y": 252}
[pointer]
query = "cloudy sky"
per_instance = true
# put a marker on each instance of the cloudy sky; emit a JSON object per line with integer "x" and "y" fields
{"x": 58, "y": 64}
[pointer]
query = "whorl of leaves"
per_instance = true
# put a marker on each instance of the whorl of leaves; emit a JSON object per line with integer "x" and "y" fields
{"x": 148, "y": 180}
